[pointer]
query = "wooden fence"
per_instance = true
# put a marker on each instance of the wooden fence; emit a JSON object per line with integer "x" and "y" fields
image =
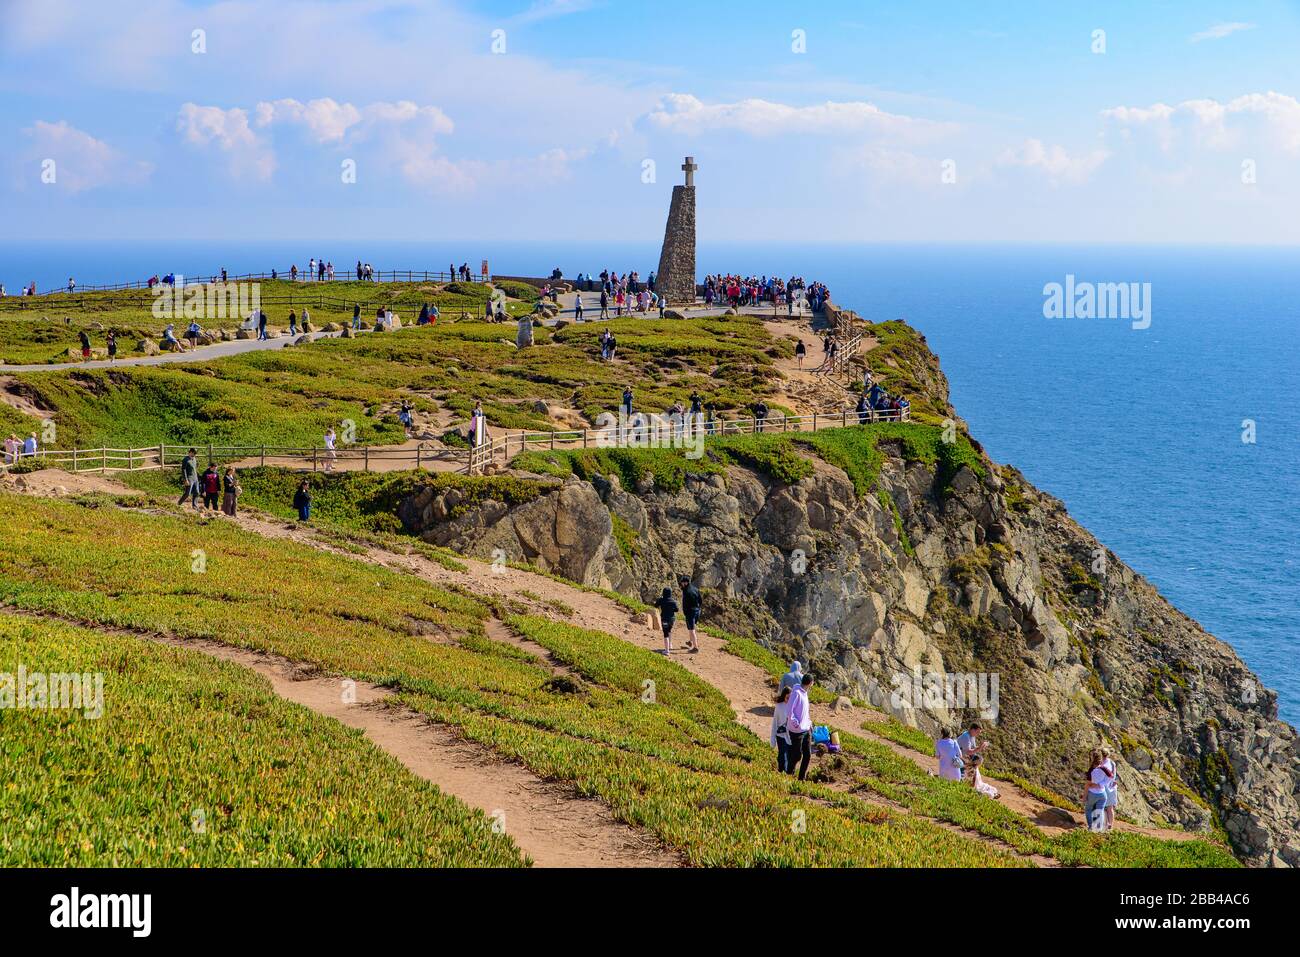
{"x": 204, "y": 276}
{"x": 387, "y": 458}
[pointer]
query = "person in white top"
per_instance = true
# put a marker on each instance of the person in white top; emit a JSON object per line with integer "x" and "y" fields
{"x": 1112, "y": 789}
{"x": 330, "y": 453}
{"x": 976, "y": 780}
{"x": 793, "y": 677}
{"x": 780, "y": 733}
{"x": 1094, "y": 793}
{"x": 949, "y": 755}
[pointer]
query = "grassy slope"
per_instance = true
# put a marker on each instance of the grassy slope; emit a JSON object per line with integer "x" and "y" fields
{"x": 677, "y": 764}
{"x": 43, "y": 329}
{"x": 680, "y": 766}
{"x": 289, "y": 397}
{"x": 182, "y": 733}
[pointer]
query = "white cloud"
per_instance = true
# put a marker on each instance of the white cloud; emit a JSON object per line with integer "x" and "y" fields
{"x": 1255, "y": 120}
{"x": 1221, "y": 30}
{"x": 1054, "y": 161}
{"x": 229, "y": 130}
{"x": 684, "y": 113}
{"x": 81, "y": 161}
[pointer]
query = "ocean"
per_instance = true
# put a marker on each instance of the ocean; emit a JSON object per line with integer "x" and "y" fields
{"x": 1177, "y": 445}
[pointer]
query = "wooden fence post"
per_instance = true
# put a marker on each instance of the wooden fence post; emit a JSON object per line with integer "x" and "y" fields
{"x": 313, "y": 458}
{"x": 365, "y": 450}
{"x": 417, "y": 454}
{"x": 263, "y": 456}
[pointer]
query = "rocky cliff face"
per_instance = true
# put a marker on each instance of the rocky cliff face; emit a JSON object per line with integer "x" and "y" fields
{"x": 894, "y": 594}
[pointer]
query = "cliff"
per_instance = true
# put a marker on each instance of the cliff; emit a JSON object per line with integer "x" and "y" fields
{"x": 905, "y": 562}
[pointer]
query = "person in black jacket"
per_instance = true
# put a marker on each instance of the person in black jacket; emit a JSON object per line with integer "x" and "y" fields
{"x": 667, "y": 606}
{"x": 302, "y": 501}
{"x": 691, "y": 602}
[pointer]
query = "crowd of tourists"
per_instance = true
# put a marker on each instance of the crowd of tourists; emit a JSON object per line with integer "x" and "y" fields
{"x": 736, "y": 290}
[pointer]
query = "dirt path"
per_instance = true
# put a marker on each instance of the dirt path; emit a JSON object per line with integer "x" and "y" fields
{"x": 804, "y": 389}
{"x": 746, "y": 687}
{"x": 551, "y": 824}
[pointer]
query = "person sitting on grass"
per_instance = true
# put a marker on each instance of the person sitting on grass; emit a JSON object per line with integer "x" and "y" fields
{"x": 302, "y": 501}
{"x": 974, "y": 779}
{"x": 667, "y": 606}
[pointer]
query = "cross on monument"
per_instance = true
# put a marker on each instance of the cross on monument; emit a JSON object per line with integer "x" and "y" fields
{"x": 690, "y": 166}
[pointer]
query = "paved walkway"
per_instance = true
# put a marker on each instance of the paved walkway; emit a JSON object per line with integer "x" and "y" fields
{"x": 215, "y": 351}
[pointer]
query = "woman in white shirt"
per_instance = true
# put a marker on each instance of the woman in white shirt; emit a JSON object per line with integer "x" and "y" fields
{"x": 1094, "y": 793}
{"x": 780, "y": 733}
{"x": 330, "y": 453}
{"x": 1112, "y": 789}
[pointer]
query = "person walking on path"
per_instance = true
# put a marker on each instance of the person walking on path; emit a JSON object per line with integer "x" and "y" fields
{"x": 949, "y": 755}
{"x": 667, "y": 606}
{"x": 302, "y": 501}
{"x": 780, "y": 732}
{"x": 85, "y": 344}
{"x": 356, "y": 317}
{"x": 1094, "y": 792}
{"x": 577, "y": 308}
{"x": 799, "y": 726}
{"x": 190, "y": 479}
{"x": 604, "y": 304}
{"x": 691, "y": 602}
{"x": 230, "y": 486}
{"x": 111, "y": 341}
{"x": 210, "y": 483}
{"x": 29, "y": 444}
{"x": 800, "y": 350}
{"x": 330, "y": 453}
{"x": 293, "y": 323}
{"x": 760, "y": 415}
{"x": 261, "y": 324}
{"x": 627, "y": 401}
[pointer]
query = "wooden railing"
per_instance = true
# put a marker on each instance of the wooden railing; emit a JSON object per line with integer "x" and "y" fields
{"x": 512, "y": 444}
{"x": 387, "y": 458}
{"x": 205, "y": 276}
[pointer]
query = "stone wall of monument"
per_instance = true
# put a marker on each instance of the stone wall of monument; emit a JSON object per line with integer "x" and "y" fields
{"x": 675, "y": 278}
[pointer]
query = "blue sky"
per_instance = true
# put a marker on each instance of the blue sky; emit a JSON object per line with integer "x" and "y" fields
{"x": 899, "y": 121}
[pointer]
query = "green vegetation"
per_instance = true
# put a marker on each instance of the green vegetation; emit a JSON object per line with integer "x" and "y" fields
{"x": 782, "y": 456}
{"x": 196, "y": 762}
{"x": 676, "y": 764}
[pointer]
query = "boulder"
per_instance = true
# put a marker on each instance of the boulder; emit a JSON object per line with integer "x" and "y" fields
{"x": 245, "y": 334}
{"x": 301, "y": 339}
{"x": 674, "y": 314}
{"x": 330, "y": 327}
{"x": 347, "y": 333}
{"x": 147, "y": 346}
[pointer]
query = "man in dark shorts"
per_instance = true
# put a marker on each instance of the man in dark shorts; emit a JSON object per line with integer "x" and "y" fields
{"x": 691, "y": 611}
{"x": 667, "y": 606}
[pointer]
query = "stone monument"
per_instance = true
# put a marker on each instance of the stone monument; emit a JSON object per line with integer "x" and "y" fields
{"x": 524, "y": 332}
{"x": 675, "y": 280}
